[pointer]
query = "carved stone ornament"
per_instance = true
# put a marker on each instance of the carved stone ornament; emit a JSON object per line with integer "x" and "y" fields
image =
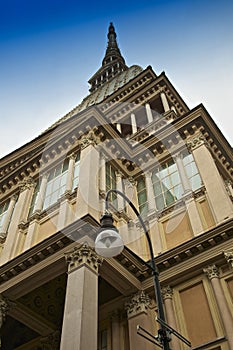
{"x": 4, "y": 307}
{"x": 137, "y": 304}
{"x": 167, "y": 292}
{"x": 211, "y": 271}
{"x": 81, "y": 256}
{"x": 229, "y": 257}
{"x": 51, "y": 342}
{"x": 26, "y": 184}
{"x": 196, "y": 141}
{"x": 89, "y": 139}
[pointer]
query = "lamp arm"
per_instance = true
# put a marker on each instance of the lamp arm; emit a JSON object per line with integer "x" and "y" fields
{"x": 154, "y": 267}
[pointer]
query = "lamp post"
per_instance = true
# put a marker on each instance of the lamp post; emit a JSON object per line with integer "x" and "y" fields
{"x": 109, "y": 243}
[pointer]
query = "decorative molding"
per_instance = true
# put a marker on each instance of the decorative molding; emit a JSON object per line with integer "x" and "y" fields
{"x": 81, "y": 256}
{"x": 229, "y": 257}
{"x": 27, "y": 184}
{"x": 167, "y": 292}
{"x": 211, "y": 271}
{"x": 196, "y": 141}
{"x": 138, "y": 304}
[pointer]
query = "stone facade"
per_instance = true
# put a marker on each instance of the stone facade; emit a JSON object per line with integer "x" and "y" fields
{"x": 175, "y": 166}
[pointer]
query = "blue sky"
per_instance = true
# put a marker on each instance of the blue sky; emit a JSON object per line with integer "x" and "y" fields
{"x": 50, "y": 48}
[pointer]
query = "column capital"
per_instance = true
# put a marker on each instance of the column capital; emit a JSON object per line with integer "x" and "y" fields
{"x": 27, "y": 184}
{"x": 72, "y": 156}
{"x": 229, "y": 257}
{"x": 138, "y": 304}
{"x": 167, "y": 292}
{"x": 148, "y": 174}
{"x": 52, "y": 341}
{"x": 83, "y": 255}
{"x": 89, "y": 139}
{"x": 196, "y": 141}
{"x": 211, "y": 271}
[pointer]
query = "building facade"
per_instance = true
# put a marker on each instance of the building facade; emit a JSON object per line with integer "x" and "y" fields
{"x": 134, "y": 133}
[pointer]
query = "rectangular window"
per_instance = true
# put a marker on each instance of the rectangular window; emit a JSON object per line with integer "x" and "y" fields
{"x": 3, "y": 211}
{"x": 111, "y": 182}
{"x": 142, "y": 196}
{"x": 192, "y": 171}
{"x": 56, "y": 184}
{"x": 167, "y": 185}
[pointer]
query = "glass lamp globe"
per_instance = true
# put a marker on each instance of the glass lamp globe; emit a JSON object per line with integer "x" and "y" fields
{"x": 109, "y": 243}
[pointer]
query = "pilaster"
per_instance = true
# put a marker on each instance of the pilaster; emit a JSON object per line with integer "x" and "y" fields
{"x": 212, "y": 273}
{"x": 88, "y": 189}
{"x": 80, "y": 320}
{"x": 217, "y": 195}
{"x": 137, "y": 312}
{"x": 167, "y": 294}
{"x": 150, "y": 193}
{"x": 19, "y": 215}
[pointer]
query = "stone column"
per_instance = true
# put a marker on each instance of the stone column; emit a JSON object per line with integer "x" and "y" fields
{"x": 7, "y": 218}
{"x": 164, "y": 102}
{"x": 213, "y": 274}
{"x": 65, "y": 210}
{"x": 119, "y": 186}
{"x": 183, "y": 176}
{"x": 41, "y": 195}
{"x": 137, "y": 312}
{"x": 149, "y": 113}
{"x": 219, "y": 200}
{"x": 190, "y": 203}
{"x": 102, "y": 181}
{"x": 34, "y": 224}
{"x": 88, "y": 189}
{"x": 167, "y": 294}
{"x": 70, "y": 175}
{"x": 150, "y": 193}
{"x": 118, "y": 126}
{"x": 80, "y": 320}
{"x": 133, "y": 123}
{"x": 115, "y": 324}
{"x": 19, "y": 215}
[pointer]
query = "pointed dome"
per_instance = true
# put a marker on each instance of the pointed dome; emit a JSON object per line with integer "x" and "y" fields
{"x": 112, "y": 64}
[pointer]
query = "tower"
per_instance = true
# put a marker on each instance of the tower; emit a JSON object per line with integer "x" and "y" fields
{"x": 135, "y": 133}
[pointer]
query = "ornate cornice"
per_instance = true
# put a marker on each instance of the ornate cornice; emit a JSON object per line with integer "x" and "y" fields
{"x": 138, "y": 303}
{"x": 211, "y": 271}
{"x": 83, "y": 256}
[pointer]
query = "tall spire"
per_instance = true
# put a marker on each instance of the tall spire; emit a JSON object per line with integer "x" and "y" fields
{"x": 112, "y": 64}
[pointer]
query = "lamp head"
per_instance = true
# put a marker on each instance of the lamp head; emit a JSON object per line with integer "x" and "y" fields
{"x": 108, "y": 242}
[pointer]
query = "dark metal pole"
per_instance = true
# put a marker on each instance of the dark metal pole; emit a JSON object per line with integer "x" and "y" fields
{"x": 163, "y": 337}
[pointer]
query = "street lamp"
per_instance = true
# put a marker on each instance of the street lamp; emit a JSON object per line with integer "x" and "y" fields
{"x": 109, "y": 243}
